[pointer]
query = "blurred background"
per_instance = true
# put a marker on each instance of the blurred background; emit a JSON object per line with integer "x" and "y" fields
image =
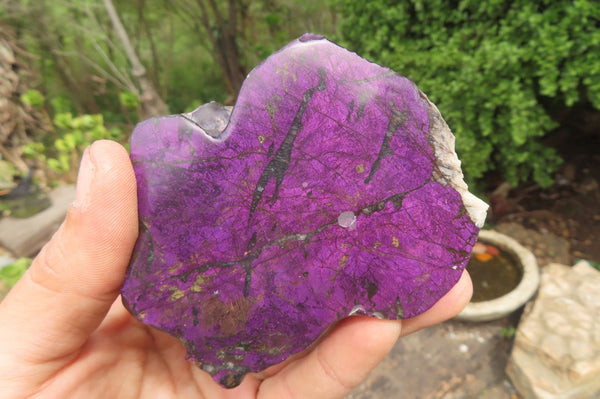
{"x": 518, "y": 81}
{"x": 511, "y": 77}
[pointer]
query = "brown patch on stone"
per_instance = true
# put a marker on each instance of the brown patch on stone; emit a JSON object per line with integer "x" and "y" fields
{"x": 229, "y": 316}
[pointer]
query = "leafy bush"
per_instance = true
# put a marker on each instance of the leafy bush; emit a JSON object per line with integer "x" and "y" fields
{"x": 129, "y": 100}
{"x": 60, "y": 105}
{"x": 33, "y": 98}
{"x": 9, "y": 275}
{"x": 62, "y": 154}
{"x": 490, "y": 66}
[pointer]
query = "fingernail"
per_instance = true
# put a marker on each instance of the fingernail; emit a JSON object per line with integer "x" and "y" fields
{"x": 84, "y": 179}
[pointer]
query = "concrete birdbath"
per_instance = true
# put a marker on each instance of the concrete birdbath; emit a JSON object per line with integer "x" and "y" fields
{"x": 524, "y": 276}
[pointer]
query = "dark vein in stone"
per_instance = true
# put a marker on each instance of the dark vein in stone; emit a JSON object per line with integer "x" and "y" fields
{"x": 396, "y": 121}
{"x": 246, "y": 261}
{"x": 150, "y": 257}
{"x": 350, "y": 110}
{"x": 253, "y": 253}
{"x": 277, "y": 167}
{"x": 395, "y": 199}
{"x": 247, "y": 268}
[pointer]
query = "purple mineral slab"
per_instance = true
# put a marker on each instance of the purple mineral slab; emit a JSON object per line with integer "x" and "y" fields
{"x": 332, "y": 189}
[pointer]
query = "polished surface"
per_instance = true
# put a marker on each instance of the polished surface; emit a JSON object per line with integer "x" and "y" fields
{"x": 322, "y": 196}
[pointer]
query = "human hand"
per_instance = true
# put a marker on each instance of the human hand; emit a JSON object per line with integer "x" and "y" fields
{"x": 65, "y": 334}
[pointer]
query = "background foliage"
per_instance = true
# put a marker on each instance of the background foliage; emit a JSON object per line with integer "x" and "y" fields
{"x": 10, "y": 274}
{"x": 500, "y": 71}
{"x": 83, "y": 79}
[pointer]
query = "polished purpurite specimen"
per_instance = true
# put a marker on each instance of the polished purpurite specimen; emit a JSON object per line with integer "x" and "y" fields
{"x": 331, "y": 189}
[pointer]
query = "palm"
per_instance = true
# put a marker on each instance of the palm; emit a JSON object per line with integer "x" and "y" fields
{"x": 124, "y": 358}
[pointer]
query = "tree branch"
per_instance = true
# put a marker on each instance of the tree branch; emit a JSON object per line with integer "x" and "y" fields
{"x": 98, "y": 69}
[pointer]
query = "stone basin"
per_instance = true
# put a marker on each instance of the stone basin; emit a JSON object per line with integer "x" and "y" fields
{"x": 503, "y": 306}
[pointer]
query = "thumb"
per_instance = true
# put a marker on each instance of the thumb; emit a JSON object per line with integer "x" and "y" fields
{"x": 50, "y": 313}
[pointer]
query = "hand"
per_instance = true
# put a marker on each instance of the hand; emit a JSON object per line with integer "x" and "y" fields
{"x": 65, "y": 334}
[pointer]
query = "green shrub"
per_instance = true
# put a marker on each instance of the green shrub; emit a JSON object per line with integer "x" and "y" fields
{"x": 33, "y": 98}
{"x": 9, "y": 275}
{"x": 63, "y": 153}
{"x": 61, "y": 104}
{"x": 129, "y": 100}
{"x": 490, "y": 66}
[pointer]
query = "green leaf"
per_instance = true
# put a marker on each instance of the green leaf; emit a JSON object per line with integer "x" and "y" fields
{"x": 33, "y": 98}
{"x": 54, "y": 164}
{"x": 63, "y": 121}
{"x": 61, "y": 145}
{"x": 70, "y": 141}
{"x": 10, "y": 274}
{"x": 60, "y": 105}
{"x": 129, "y": 100}
{"x": 64, "y": 160}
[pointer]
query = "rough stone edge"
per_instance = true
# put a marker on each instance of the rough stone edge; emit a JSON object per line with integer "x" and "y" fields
{"x": 585, "y": 267}
{"x": 521, "y": 377}
{"x": 582, "y": 271}
{"x": 506, "y": 304}
{"x": 208, "y": 116}
{"x": 448, "y": 165}
{"x": 557, "y": 384}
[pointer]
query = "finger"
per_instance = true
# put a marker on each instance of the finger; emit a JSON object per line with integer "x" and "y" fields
{"x": 338, "y": 364}
{"x": 449, "y": 306}
{"x": 76, "y": 277}
{"x": 346, "y": 356}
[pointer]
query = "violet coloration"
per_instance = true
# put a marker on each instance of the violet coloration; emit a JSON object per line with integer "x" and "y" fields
{"x": 332, "y": 188}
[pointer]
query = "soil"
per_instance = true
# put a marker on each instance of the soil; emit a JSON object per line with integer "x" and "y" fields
{"x": 452, "y": 360}
{"x": 560, "y": 223}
